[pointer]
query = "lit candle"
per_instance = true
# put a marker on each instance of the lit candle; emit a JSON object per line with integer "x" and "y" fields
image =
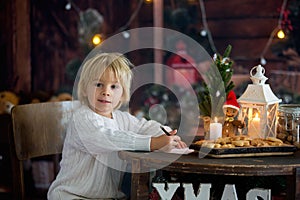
{"x": 254, "y": 128}
{"x": 215, "y": 130}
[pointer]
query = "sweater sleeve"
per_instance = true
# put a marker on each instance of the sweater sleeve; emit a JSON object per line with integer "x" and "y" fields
{"x": 97, "y": 136}
{"x": 139, "y": 126}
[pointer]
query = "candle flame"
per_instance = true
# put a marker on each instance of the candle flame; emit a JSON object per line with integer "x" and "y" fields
{"x": 216, "y": 119}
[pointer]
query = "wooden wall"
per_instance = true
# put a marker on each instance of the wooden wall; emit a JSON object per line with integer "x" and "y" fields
{"x": 35, "y": 52}
{"x": 246, "y": 25}
{"x": 15, "y": 45}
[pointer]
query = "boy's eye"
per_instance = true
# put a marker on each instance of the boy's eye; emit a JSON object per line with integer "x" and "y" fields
{"x": 114, "y": 86}
{"x": 98, "y": 84}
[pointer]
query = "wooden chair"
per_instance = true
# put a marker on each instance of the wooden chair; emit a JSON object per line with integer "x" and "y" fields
{"x": 38, "y": 130}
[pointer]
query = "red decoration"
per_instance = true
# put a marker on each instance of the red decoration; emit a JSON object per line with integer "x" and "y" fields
{"x": 182, "y": 63}
{"x": 231, "y": 101}
{"x": 286, "y": 22}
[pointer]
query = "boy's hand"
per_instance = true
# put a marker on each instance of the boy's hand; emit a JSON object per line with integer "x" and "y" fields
{"x": 166, "y": 143}
{"x": 173, "y": 132}
{"x": 180, "y": 144}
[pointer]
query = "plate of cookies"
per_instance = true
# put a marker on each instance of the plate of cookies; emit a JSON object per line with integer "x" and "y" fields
{"x": 243, "y": 146}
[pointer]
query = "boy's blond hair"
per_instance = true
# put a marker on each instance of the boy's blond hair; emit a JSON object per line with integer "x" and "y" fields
{"x": 95, "y": 67}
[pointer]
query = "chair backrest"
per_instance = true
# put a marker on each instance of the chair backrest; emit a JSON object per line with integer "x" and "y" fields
{"x": 38, "y": 130}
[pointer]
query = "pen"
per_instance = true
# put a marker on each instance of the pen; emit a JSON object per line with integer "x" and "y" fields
{"x": 165, "y": 131}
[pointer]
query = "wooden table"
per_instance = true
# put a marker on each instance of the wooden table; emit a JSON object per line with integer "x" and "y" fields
{"x": 255, "y": 166}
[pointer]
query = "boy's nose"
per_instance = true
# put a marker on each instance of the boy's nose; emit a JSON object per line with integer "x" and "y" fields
{"x": 106, "y": 92}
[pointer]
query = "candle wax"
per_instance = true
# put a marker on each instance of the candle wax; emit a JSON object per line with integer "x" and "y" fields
{"x": 254, "y": 129}
{"x": 215, "y": 131}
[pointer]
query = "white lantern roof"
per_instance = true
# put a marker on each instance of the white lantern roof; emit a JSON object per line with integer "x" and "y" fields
{"x": 258, "y": 92}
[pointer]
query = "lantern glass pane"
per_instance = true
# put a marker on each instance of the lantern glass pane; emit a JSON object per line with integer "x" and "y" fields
{"x": 254, "y": 118}
{"x": 260, "y": 119}
{"x": 271, "y": 120}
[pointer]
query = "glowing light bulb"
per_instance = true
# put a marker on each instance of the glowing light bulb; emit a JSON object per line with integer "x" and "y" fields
{"x": 263, "y": 61}
{"x": 68, "y": 6}
{"x": 148, "y": 1}
{"x": 203, "y": 33}
{"x": 126, "y": 34}
{"x": 280, "y": 34}
{"x": 97, "y": 39}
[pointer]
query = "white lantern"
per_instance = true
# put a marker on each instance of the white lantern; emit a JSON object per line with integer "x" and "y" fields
{"x": 259, "y": 106}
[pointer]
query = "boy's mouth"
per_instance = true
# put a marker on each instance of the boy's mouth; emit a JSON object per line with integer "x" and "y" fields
{"x": 103, "y": 101}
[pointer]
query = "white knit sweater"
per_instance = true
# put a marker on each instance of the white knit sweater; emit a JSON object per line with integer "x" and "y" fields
{"x": 90, "y": 167}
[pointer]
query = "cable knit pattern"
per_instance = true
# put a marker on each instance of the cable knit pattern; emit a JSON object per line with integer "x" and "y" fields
{"x": 90, "y": 166}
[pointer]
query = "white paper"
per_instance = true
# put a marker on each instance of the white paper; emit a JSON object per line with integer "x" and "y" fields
{"x": 181, "y": 151}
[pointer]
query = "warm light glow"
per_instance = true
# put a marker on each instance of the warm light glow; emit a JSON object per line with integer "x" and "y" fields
{"x": 280, "y": 34}
{"x": 148, "y": 1}
{"x": 97, "y": 39}
{"x": 256, "y": 116}
{"x": 216, "y": 120}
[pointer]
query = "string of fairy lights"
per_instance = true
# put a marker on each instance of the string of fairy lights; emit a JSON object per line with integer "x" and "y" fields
{"x": 277, "y": 31}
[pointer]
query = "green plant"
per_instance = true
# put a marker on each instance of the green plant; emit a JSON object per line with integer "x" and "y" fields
{"x": 224, "y": 66}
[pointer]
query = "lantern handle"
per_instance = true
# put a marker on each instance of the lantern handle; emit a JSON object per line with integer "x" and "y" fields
{"x": 258, "y": 77}
{"x": 260, "y": 71}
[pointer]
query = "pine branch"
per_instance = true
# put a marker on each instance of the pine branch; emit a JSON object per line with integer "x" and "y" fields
{"x": 224, "y": 66}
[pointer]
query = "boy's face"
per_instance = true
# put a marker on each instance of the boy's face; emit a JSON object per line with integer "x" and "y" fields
{"x": 104, "y": 94}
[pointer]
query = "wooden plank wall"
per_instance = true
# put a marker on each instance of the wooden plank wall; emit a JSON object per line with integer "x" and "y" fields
{"x": 15, "y": 45}
{"x": 56, "y": 43}
{"x": 245, "y": 24}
